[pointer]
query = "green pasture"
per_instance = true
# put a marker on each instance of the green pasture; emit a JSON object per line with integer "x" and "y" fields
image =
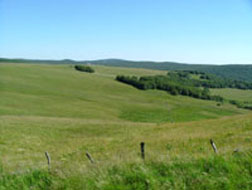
{"x": 234, "y": 94}
{"x": 57, "y": 109}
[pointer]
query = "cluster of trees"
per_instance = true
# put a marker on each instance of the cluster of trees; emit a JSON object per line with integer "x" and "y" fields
{"x": 174, "y": 87}
{"x": 195, "y": 84}
{"x": 239, "y": 104}
{"x": 207, "y": 80}
{"x": 84, "y": 68}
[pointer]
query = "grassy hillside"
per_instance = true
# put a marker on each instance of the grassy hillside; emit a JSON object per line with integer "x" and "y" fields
{"x": 61, "y": 91}
{"x": 241, "y": 98}
{"x": 237, "y": 72}
{"x": 234, "y": 94}
{"x": 57, "y": 109}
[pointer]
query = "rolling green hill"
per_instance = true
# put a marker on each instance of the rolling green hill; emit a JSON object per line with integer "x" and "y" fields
{"x": 234, "y": 94}
{"x": 57, "y": 109}
{"x": 238, "y": 72}
{"x": 29, "y": 89}
{"x": 242, "y": 98}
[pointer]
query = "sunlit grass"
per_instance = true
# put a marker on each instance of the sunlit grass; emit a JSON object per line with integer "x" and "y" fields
{"x": 234, "y": 94}
{"x": 57, "y": 109}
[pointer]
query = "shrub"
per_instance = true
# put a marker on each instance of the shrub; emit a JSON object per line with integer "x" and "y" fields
{"x": 84, "y": 68}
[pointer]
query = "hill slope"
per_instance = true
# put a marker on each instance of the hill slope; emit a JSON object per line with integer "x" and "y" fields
{"x": 55, "y": 96}
{"x": 61, "y": 91}
{"x": 57, "y": 109}
{"x": 238, "y": 72}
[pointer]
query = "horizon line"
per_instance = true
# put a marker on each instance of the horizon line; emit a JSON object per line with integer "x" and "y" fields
{"x": 119, "y": 59}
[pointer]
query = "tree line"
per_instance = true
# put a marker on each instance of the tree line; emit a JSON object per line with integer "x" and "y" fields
{"x": 202, "y": 79}
{"x": 165, "y": 83}
{"x": 240, "y": 104}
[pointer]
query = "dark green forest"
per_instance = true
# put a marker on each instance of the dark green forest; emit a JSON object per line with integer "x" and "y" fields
{"x": 195, "y": 84}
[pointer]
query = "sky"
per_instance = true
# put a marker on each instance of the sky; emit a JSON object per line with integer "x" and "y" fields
{"x": 188, "y": 31}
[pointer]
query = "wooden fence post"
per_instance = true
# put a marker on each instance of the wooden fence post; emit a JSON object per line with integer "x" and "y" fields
{"x": 89, "y": 157}
{"x": 142, "y": 150}
{"x": 236, "y": 150}
{"x": 48, "y": 160}
{"x": 213, "y": 146}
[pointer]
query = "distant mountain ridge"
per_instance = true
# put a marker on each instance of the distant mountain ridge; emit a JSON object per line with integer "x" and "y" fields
{"x": 237, "y": 72}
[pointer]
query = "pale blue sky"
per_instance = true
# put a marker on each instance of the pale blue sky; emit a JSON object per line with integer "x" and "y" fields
{"x": 192, "y": 31}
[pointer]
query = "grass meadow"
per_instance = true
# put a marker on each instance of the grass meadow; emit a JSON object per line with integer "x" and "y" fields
{"x": 234, "y": 94}
{"x": 57, "y": 109}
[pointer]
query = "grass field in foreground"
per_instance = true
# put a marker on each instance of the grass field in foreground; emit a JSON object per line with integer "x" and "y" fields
{"x": 57, "y": 109}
